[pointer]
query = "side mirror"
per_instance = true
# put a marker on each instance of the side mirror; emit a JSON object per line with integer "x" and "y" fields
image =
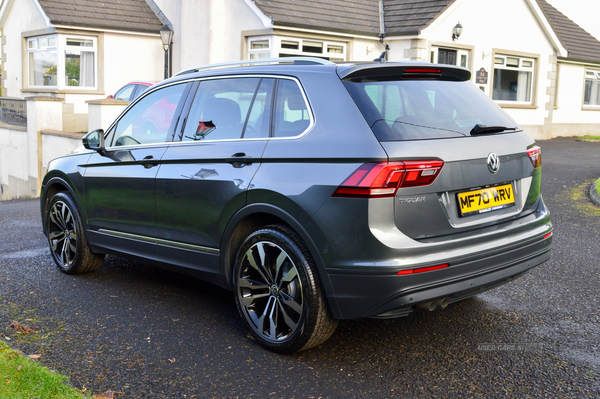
{"x": 94, "y": 141}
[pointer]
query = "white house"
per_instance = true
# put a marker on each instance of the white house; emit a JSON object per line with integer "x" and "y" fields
{"x": 78, "y": 50}
{"x": 535, "y": 62}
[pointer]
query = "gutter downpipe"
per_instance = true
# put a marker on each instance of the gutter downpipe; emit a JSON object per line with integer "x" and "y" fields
{"x": 384, "y": 56}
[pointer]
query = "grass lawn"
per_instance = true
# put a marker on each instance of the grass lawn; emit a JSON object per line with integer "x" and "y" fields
{"x": 590, "y": 137}
{"x": 598, "y": 186}
{"x": 21, "y": 377}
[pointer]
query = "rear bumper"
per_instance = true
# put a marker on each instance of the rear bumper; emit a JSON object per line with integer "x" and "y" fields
{"x": 386, "y": 295}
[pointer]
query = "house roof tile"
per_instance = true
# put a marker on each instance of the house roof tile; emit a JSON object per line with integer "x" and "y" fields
{"x": 131, "y": 15}
{"x": 579, "y": 44}
{"x": 402, "y": 17}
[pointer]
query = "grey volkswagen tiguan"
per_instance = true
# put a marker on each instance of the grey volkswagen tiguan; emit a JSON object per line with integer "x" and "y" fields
{"x": 315, "y": 191}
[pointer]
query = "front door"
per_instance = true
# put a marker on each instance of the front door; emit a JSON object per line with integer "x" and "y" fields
{"x": 119, "y": 185}
{"x": 446, "y": 56}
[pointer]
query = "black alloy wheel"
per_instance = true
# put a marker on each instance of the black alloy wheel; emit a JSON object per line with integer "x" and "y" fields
{"x": 278, "y": 292}
{"x": 66, "y": 237}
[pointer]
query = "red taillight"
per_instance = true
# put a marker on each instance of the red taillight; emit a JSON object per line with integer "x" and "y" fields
{"x": 535, "y": 155}
{"x": 422, "y": 70}
{"x": 421, "y": 73}
{"x": 547, "y": 236}
{"x": 422, "y": 269}
{"x": 376, "y": 180}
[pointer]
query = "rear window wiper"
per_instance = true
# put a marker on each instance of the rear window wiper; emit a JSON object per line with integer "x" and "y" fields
{"x": 485, "y": 129}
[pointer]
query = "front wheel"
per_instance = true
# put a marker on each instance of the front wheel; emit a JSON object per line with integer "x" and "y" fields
{"x": 278, "y": 292}
{"x": 66, "y": 237}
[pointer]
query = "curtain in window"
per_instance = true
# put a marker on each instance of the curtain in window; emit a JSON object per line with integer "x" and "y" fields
{"x": 87, "y": 69}
{"x": 524, "y": 86}
{"x": 592, "y": 92}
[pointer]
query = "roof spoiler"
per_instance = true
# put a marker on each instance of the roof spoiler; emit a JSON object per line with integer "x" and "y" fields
{"x": 404, "y": 71}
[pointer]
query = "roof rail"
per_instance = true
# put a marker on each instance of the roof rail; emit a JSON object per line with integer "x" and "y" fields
{"x": 282, "y": 60}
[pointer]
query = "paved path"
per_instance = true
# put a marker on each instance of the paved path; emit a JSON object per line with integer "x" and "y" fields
{"x": 150, "y": 333}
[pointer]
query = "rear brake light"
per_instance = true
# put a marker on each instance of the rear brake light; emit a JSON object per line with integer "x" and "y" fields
{"x": 378, "y": 180}
{"x": 535, "y": 155}
{"x": 422, "y": 269}
{"x": 421, "y": 73}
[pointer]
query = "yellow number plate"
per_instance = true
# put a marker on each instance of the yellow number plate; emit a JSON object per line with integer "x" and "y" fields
{"x": 486, "y": 200}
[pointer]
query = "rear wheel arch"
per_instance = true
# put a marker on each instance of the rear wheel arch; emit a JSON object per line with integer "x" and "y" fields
{"x": 255, "y": 217}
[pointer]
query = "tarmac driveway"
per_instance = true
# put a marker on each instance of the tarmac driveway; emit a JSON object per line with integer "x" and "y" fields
{"x": 149, "y": 333}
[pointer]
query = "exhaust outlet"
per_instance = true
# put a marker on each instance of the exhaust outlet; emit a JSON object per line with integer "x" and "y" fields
{"x": 433, "y": 305}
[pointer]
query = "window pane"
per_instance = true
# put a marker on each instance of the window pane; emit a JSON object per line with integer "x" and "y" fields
{"x": 335, "y": 49}
{"x": 312, "y": 47}
{"x": 290, "y": 44}
{"x": 512, "y": 85}
{"x": 259, "y": 118}
{"x": 291, "y": 112}
{"x": 125, "y": 93}
{"x": 42, "y": 68}
{"x": 80, "y": 68}
{"x": 512, "y": 62}
{"x": 499, "y": 61}
{"x": 422, "y": 109}
{"x": 255, "y": 56}
{"x": 220, "y": 109}
{"x": 80, "y": 42}
{"x": 149, "y": 121}
{"x": 258, "y": 44}
{"x": 527, "y": 64}
{"x": 592, "y": 92}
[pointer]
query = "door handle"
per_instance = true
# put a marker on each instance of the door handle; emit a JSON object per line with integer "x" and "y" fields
{"x": 148, "y": 165}
{"x": 240, "y": 159}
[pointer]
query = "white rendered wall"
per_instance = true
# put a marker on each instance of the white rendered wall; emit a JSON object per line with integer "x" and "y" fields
{"x": 131, "y": 57}
{"x": 24, "y": 16}
{"x": 207, "y": 31}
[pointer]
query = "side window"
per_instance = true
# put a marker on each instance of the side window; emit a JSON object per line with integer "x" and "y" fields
{"x": 125, "y": 93}
{"x": 139, "y": 90}
{"x": 291, "y": 113}
{"x": 227, "y": 109}
{"x": 149, "y": 121}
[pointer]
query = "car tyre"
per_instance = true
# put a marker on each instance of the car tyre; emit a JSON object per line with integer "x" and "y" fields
{"x": 278, "y": 292}
{"x": 66, "y": 237}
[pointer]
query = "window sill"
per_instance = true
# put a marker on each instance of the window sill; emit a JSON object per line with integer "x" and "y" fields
{"x": 522, "y": 106}
{"x": 590, "y": 108}
{"x": 63, "y": 91}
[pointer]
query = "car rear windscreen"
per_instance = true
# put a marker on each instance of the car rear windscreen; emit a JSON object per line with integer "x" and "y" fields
{"x": 425, "y": 109}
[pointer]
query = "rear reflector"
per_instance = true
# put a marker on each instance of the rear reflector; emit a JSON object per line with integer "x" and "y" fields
{"x": 376, "y": 180}
{"x": 548, "y": 235}
{"x": 422, "y": 269}
{"x": 535, "y": 155}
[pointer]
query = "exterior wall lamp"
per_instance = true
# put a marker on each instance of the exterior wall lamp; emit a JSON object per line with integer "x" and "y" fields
{"x": 457, "y": 31}
{"x": 166, "y": 35}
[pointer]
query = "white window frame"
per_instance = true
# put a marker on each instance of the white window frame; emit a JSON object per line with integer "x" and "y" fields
{"x": 276, "y": 50}
{"x": 520, "y": 68}
{"x": 34, "y": 45}
{"x": 260, "y": 51}
{"x": 61, "y": 49}
{"x": 460, "y": 52}
{"x": 594, "y": 76}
